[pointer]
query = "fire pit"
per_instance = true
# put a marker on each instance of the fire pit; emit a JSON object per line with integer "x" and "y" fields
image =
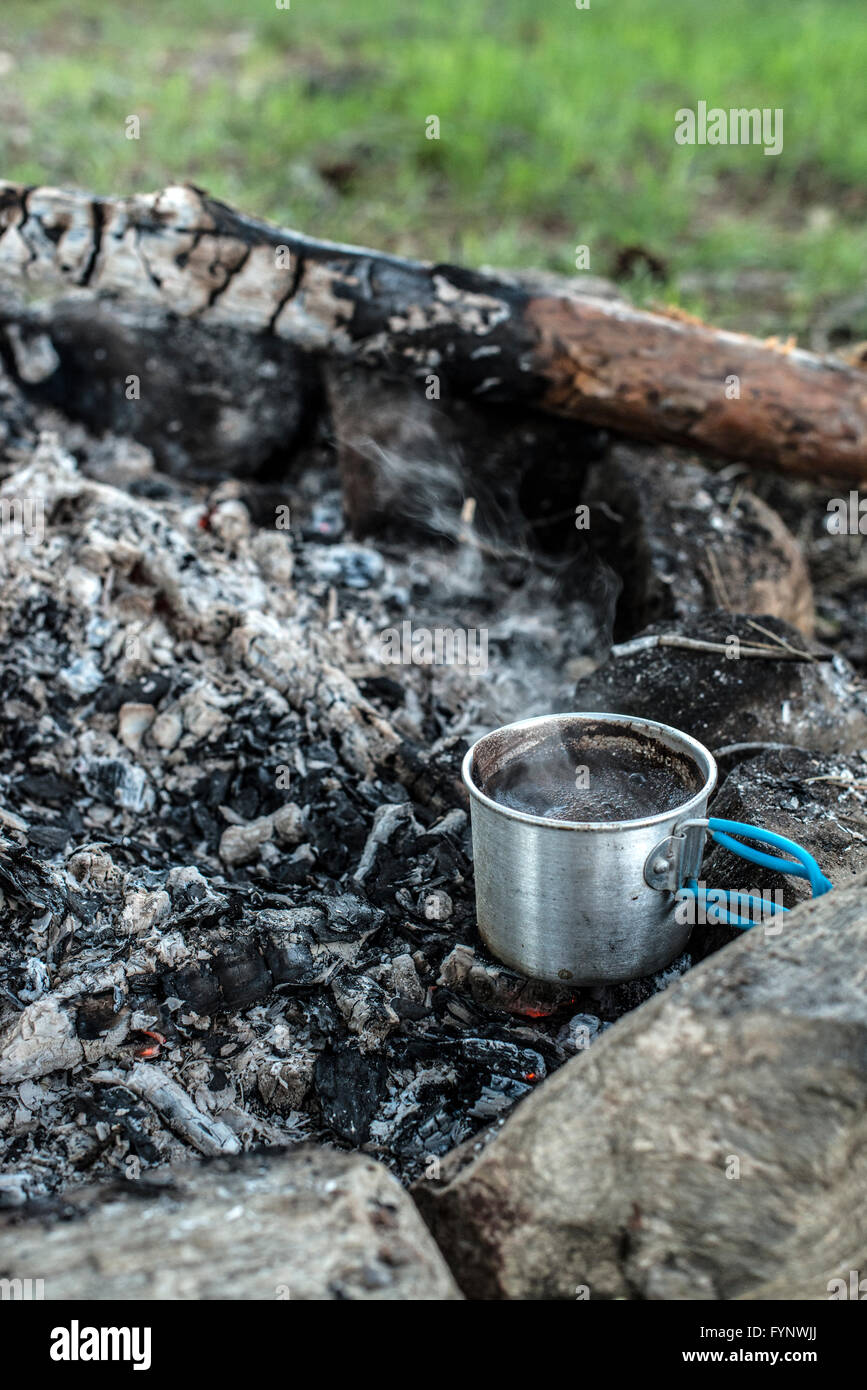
{"x": 236, "y": 862}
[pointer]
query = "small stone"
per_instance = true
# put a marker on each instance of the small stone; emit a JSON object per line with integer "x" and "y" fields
{"x": 143, "y": 910}
{"x": 240, "y": 844}
{"x": 288, "y": 824}
{"x": 231, "y": 521}
{"x": 578, "y": 1033}
{"x": 166, "y": 730}
{"x": 437, "y": 906}
{"x": 133, "y": 721}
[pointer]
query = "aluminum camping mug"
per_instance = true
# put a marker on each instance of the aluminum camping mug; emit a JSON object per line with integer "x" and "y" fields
{"x": 591, "y": 901}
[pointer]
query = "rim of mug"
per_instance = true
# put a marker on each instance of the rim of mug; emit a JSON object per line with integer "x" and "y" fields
{"x": 688, "y": 744}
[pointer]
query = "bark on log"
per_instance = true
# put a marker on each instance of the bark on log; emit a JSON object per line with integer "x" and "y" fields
{"x": 486, "y": 336}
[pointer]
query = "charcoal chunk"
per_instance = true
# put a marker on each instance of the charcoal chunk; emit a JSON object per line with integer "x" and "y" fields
{"x": 243, "y": 975}
{"x": 292, "y": 963}
{"x": 148, "y": 689}
{"x": 350, "y": 1086}
{"x": 196, "y": 985}
{"x": 348, "y": 918}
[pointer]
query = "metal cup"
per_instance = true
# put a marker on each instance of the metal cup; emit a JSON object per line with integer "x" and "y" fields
{"x": 586, "y": 902}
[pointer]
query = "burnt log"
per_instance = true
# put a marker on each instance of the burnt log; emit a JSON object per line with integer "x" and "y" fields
{"x": 181, "y": 259}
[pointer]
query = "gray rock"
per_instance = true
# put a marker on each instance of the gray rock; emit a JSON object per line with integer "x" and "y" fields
{"x": 711, "y": 1145}
{"x": 686, "y": 539}
{"x": 354, "y": 566}
{"x": 722, "y": 701}
{"x": 309, "y": 1225}
{"x": 819, "y": 802}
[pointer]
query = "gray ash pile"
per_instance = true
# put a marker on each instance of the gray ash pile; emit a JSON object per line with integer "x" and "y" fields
{"x": 234, "y": 856}
{"x": 237, "y": 892}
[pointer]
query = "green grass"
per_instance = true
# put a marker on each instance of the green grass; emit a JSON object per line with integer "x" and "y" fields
{"x": 556, "y": 129}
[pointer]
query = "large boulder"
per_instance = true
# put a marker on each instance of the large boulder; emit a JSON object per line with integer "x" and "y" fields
{"x": 724, "y": 699}
{"x": 711, "y": 1145}
{"x": 311, "y": 1224}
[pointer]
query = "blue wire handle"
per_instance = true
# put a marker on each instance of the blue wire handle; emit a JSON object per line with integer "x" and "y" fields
{"x": 801, "y": 865}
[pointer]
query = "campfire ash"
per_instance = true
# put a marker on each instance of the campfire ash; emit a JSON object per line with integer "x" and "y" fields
{"x": 235, "y": 859}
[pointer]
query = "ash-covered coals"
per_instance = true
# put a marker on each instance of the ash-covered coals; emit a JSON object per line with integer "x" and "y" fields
{"x": 592, "y": 779}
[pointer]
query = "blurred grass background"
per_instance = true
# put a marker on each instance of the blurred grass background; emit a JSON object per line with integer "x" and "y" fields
{"x": 556, "y": 130}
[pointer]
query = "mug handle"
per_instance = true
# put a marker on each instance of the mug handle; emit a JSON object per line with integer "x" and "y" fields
{"x": 801, "y": 865}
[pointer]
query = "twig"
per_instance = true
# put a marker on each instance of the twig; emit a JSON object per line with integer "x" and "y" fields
{"x": 733, "y": 749}
{"x": 736, "y": 497}
{"x": 717, "y": 581}
{"x": 836, "y": 777}
{"x": 781, "y": 640}
{"x": 847, "y": 829}
{"x": 695, "y": 644}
